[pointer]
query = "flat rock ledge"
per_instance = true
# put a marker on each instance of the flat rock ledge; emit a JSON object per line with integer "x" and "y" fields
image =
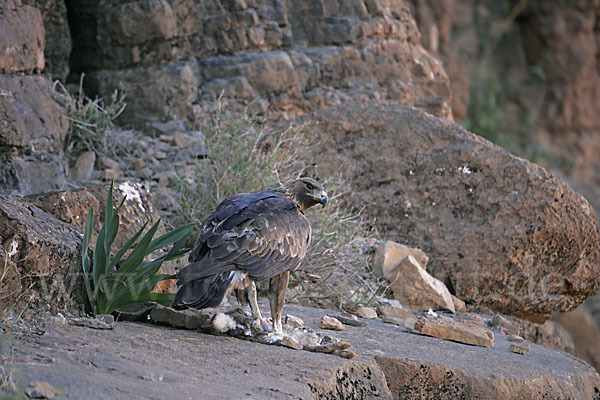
{"x": 139, "y": 360}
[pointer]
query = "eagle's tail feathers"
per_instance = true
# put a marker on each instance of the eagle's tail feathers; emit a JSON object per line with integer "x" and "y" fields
{"x": 204, "y": 292}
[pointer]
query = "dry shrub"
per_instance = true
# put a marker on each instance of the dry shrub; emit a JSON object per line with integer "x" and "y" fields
{"x": 243, "y": 157}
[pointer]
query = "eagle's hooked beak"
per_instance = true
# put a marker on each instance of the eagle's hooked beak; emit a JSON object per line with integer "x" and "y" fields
{"x": 323, "y": 199}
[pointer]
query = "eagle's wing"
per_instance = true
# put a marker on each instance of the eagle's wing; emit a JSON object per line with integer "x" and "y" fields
{"x": 263, "y": 234}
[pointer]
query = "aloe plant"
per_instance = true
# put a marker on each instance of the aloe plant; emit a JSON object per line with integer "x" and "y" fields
{"x": 115, "y": 281}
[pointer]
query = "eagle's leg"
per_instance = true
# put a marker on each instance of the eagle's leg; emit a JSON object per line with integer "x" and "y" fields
{"x": 252, "y": 299}
{"x": 240, "y": 295}
{"x": 277, "y": 289}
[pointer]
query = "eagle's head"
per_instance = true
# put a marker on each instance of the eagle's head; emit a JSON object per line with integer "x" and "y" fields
{"x": 306, "y": 192}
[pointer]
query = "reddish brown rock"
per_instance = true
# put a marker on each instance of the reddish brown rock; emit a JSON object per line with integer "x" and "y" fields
{"x": 291, "y": 343}
{"x": 332, "y": 323}
{"x": 500, "y": 231}
{"x": 504, "y": 324}
{"x": 414, "y": 288}
{"x": 366, "y": 312}
{"x": 21, "y": 39}
{"x": 462, "y": 331}
{"x": 394, "y": 312}
{"x": 44, "y": 259}
{"x": 390, "y": 253}
{"x": 459, "y": 305}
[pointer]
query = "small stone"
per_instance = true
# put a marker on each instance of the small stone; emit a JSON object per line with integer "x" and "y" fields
{"x": 409, "y": 324}
{"x": 350, "y": 321}
{"x": 160, "y": 155}
{"x": 139, "y": 165}
{"x": 515, "y": 338}
{"x": 107, "y": 319}
{"x": 459, "y": 305}
{"x": 394, "y": 312}
{"x": 349, "y": 316}
{"x": 258, "y": 107}
{"x": 180, "y": 139}
{"x": 393, "y": 321}
{"x": 500, "y": 321}
{"x": 471, "y": 317}
{"x": 94, "y": 323}
{"x": 166, "y": 129}
{"x": 331, "y": 323}
{"x": 108, "y": 163}
{"x": 346, "y": 354}
{"x": 40, "y": 390}
{"x": 163, "y": 181}
{"x": 165, "y": 138}
{"x": 134, "y": 312}
{"x": 367, "y": 312}
{"x": 519, "y": 348}
{"x": 294, "y": 321}
{"x": 305, "y": 337}
{"x": 188, "y": 319}
{"x": 84, "y": 167}
{"x": 287, "y": 341}
{"x": 145, "y": 173}
{"x": 110, "y": 174}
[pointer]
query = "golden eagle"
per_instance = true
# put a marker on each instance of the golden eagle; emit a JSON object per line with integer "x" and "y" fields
{"x": 250, "y": 237}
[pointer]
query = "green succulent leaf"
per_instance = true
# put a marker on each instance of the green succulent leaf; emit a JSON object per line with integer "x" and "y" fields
{"x": 117, "y": 282}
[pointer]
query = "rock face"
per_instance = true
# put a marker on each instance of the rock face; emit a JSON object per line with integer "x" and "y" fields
{"x": 389, "y": 364}
{"x": 500, "y": 231}
{"x": 57, "y": 36}
{"x": 21, "y": 39}
{"x": 43, "y": 256}
{"x": 32, "y": 124}
{"x": 277, "y": 59}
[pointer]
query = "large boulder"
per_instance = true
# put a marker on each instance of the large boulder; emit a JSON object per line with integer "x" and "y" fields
{"x": 500, "y": 231}
{"x": 42, "y": 256}
{"x": 542, "y": 71}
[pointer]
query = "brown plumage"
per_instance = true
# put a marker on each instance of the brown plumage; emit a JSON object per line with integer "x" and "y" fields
{"x": 250, "y": 237}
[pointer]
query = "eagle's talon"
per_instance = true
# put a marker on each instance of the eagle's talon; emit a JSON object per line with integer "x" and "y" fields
{"x": 262, "y": 325}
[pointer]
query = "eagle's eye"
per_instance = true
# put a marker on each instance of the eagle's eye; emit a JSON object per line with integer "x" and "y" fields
{"x": 309, "y": 186}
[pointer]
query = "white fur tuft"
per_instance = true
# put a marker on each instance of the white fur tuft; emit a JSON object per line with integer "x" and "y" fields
{"x": 222, "y": 322}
